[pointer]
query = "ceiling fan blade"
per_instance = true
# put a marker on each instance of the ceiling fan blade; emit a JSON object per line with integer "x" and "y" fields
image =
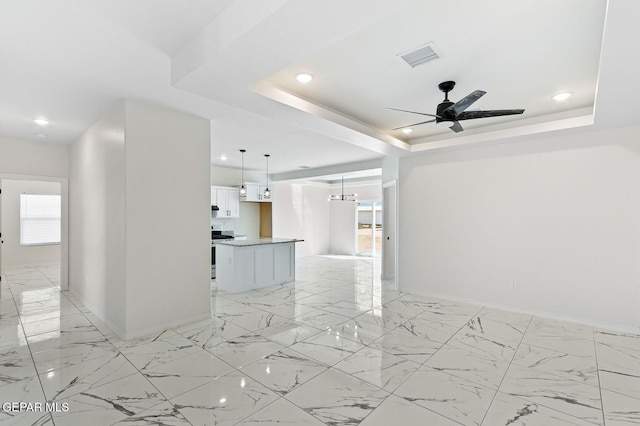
{"x": 456, "y": 127}
{"x": 469, "y": 115}
{"x": 416, "y": 124}
{"x": 414, "y": 112}
{"x": 465, "y": 102}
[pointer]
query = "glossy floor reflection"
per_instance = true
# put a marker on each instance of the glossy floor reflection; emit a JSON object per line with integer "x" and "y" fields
{"x": 336, "y": 347}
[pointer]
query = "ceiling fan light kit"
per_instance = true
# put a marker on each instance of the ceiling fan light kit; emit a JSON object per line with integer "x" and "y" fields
{"x": 449, "y": 114}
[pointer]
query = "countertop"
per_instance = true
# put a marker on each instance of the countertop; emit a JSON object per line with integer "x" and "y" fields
{"x": 261, "y": 241}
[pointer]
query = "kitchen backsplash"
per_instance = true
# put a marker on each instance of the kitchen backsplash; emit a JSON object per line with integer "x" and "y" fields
{"x": 247, "y": 224}
{"x": 224, "y": 224}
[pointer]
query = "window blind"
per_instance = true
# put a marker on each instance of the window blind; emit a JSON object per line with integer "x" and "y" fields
{"x": 39, "y": 219}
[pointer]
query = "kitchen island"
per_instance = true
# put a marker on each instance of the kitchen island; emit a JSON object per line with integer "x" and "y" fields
{"x": 249, "y": 264}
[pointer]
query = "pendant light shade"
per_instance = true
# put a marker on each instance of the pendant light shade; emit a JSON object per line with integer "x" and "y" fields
{"x": 267, "y": 194}
{"x": 343, "y": 196}
{"x": 243, "y": 189}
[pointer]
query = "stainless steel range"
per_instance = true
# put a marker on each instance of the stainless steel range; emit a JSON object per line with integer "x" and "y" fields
{"x": 216, "y": 236}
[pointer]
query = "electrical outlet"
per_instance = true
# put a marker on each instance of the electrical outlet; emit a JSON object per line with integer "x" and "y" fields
{"x": 514, "y": 286}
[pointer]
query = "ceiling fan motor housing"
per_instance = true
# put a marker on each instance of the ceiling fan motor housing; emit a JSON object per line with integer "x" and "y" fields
{"x": 442, "y": 116}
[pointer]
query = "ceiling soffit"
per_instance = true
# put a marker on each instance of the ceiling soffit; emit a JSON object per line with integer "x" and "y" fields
{"x": 521, "y": 54}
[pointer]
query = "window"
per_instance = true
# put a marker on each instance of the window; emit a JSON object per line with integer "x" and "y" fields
{"x": 39, "y": 219}
{"x": 369, "y": 228}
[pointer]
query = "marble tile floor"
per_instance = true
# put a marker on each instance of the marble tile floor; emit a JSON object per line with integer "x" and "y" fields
{"x": 337, "y": 347}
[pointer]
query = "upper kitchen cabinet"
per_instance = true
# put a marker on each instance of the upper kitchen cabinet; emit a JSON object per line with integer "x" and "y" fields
{"x": 227, "y": 200}
{"x": 214, "y": 196}
{"x": 233, "y": 202}
{"x": 254, "y": 193}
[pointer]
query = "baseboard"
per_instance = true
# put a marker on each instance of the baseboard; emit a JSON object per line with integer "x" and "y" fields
{"x": 98, "y": 313}
{"x": 624, "y": 328}
{"x": 134, "y": 334}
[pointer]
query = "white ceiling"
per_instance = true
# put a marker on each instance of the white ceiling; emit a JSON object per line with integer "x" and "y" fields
{"x": 232, "y": 61}
{"x": 520, "y": 53}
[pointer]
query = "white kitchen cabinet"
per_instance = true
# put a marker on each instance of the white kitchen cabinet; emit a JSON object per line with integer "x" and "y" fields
{"x": 214, "y": 198}
{"x": 233, "y": 202}
{"x": 254, "y": 193}
{"x": 227, "y": 200}
{"x": 251, "y": 264}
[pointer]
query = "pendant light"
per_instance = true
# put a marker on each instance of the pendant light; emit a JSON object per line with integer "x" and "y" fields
{"x": 343, "y": 196}
{"x": 267, "y": 194}
{"x": 243, "y": 189}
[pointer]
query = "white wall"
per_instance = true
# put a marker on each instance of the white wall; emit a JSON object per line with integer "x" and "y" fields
{"x": 302, "y": 211}
{"x": 43, "y": 161}
{"x": 390, "y": 169}
{"x": 344, "y": 218}
{"x": 168, "y": 208}
{"x": 13, "y": 253}
{"x": 97, "y": 219}
{"x": 23, "y": 157}
{"x": 343, "y": 227}
{"x": 227, "y": 176}
{"x": 249, "y": 222}
{"x": 557, "y": 216}
{"x": 366, "y": 191}
{"x": 140, "y": 192}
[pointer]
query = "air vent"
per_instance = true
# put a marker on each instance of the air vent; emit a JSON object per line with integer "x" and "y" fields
{"x": 420, "y": 56}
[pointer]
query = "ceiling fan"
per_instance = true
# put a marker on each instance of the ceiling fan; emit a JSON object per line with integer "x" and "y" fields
{"x": 449, "y": 113}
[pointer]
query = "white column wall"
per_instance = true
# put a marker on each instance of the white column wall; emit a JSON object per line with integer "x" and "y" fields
{"x": 556, "y": 217}
{"x": 140, "y": 203}
{"x": 168, "y": 208}
{"x": 97, "y": 219}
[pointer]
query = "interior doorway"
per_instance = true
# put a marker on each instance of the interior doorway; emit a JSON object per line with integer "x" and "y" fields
{"x": 369, "y": 235}
{"x": 389, "y": 242}
{"x": 33, "y": 227}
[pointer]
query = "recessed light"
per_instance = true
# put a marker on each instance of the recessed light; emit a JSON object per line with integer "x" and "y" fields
{"x": 304, "y": 77}
{"x": 562, "y": 97}
{"x": 41, "y": 121}
{"x": 407, "y": 131}
{"x": 223, "y": 157}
